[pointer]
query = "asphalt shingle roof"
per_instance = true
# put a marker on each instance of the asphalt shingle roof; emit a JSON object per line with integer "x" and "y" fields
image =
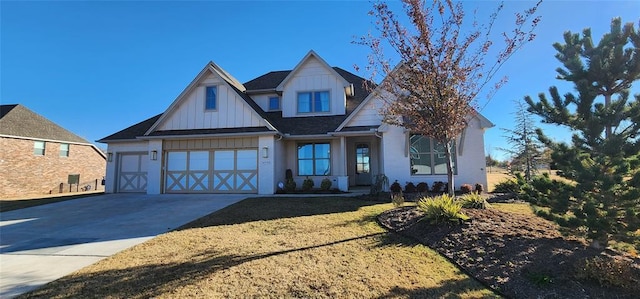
{"x": 291, "y": 125}
{"x": 18, "y": 120}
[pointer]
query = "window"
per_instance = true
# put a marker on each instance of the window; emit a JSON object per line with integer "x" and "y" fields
{"x": 38, "y": 148}
{"x": 428, "y": 157}
{"x": 314, "y": 159}
{"x": 317, "y": 101}
{"x": 274, "y": 103}
{"x": 211, "y": 96}
{"x": 64, "y": 150}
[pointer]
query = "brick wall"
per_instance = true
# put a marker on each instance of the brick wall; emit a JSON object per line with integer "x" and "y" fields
{"x": 22, "y": 173}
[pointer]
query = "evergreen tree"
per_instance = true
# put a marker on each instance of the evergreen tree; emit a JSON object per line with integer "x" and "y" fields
{"x": 603, "y": 157}
{"x": 526, "y": 150}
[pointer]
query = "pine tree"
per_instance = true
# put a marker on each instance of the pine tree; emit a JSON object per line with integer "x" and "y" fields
{"x": 526, "y": 150}
{"x": 603, "y": 157}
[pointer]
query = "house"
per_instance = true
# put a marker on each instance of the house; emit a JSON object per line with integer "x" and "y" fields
{"x": 37, "y": 156}
{"x": 223, "y": 136}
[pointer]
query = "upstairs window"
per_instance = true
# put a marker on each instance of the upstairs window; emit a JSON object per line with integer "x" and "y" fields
{"x": 274, "y": 103}
{"x": 64, "y": 150}
{"x": 428, "y": 157}
{"x": 316, "y": 101}
{"x": 211, "y": 98}
{"x": 38, "y": 148}
{"x": 314, "y": 159}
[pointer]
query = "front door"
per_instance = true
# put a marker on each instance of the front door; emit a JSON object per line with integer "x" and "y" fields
{"x": 363, "y": 167}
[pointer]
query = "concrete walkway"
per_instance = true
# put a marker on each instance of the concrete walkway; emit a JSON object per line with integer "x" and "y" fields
{"x": 43, "y": 243}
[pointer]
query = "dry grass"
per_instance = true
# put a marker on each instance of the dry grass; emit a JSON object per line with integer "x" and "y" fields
{"x": 517, "y": 208}
{"x": 279, "y": 248}
{"x": 497, "y": 175}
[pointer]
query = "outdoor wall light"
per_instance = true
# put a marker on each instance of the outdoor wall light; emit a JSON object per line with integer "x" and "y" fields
{"x": 109, "y": 157}
{"x": 154, "y": 155}
{"x": 265, "y": 152}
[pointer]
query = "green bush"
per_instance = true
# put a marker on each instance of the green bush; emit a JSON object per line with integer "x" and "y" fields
{"x": 479, "y": 188}
{"x": 410, "y": 187}
{"x": 325, "y": 184}
{"x": 473, "y": 201}
{"x": 437, "y": 186}
{"x": 307, "y": 184}
{"x": 608, "y": 272}
{"x": 507, "y": 186}
{"x": 395, "y": 187}
{"x": 422, "y": 187}
{"x": 397, "y": 199}
{"x": 441, "y": 209}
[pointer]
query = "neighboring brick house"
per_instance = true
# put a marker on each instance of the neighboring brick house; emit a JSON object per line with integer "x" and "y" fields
{"x": 37, "y": 156}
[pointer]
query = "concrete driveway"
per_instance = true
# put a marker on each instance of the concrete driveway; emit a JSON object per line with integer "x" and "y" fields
{"x": 44, "y": 243}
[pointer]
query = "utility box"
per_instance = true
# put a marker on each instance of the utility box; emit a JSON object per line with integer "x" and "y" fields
{"x": 73, "y": 179}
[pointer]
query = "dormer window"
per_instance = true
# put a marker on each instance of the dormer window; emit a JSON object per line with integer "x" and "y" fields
{"x": 274, "y": 103}
{"x": 211, "y": 98}
{"x": 313, "y": 101}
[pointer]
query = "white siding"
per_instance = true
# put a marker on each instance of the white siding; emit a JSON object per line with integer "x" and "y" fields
{"x": 232, "y": 112}
{"x": 368, "y": 115}
{"x": 471, "y": 159}
{"x": 263, "y": 100}
{"x": 313, "y": 76}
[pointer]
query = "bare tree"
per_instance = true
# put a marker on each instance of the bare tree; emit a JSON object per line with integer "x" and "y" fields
{"x": 432, "y": 90}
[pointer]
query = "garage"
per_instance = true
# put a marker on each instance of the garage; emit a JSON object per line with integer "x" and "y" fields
{"x": 132, "y": 172}
{"x": 212, "y": 171}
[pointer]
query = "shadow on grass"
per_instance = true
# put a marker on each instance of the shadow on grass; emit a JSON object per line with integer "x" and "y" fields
{"x": 447, "y": 289}
{"x": 270, "y": 208}
{"x": 10, "y": 205}
{"x": 160, "y": 279}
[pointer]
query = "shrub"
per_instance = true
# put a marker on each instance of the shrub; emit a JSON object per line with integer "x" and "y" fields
{"x": 422, "y": 187}
{"x": 507, "y": 186}
{"x": 325, "y": 184}
{"x": 437, "y": 186}
{"x": 410, "y": 187}
{"x": 395, "y": 187}
{"x": 608, "y": 272}
{"x": 397, "y": 199}
{"x": 479, "y": 188}
{"x": 473, "y": 201}
{"x": 441, "y": 209}
{"x": 289, "y": 184}
{"x": 307, "y": 184}
{"x": 466, "y": 188}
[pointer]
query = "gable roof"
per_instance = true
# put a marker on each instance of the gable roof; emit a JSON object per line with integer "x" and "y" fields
{"x": 311, "y": 53}
{"x": 17, "y": 120}
{"x": 231, "y": 82}
{"x": 275, "y": 122}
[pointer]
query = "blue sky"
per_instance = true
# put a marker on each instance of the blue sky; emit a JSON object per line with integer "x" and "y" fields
{"x": 98, "y": 67}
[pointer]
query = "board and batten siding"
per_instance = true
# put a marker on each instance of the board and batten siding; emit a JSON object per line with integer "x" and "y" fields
{"x": 368, "y": 115}
{"x": 218, "y": 143}
{"x": 313, "y": 76}
{"x": 232, "y": 111}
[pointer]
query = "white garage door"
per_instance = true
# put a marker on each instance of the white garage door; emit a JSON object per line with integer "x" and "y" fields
{"x": 132, "y": 172}
{"x": 218, "y": 171}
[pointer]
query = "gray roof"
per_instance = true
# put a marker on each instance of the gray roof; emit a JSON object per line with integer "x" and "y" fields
{"x": 17, "y": 120}
{"x": 290, "y": 125}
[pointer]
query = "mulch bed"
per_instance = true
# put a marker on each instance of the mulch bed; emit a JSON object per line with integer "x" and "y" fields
{"x": 518, "y": 256}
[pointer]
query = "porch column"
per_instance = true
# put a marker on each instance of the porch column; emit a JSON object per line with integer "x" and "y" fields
{"x": 343, "y": 179}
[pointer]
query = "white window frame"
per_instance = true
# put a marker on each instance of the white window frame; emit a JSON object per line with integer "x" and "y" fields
{"x": 206, "y": 108}
{"x": 39, "y": 151}
{"x": 63, "y": 152}
{"x": 313, "y": 94}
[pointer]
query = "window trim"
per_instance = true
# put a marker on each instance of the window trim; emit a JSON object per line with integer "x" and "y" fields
{"x": 314, "y": 159}
{"x": 43, "y": 149}
{"x": 279, "y": 104}
{"x": 432, "y": 154}
{"x": 313, "y": 93}
{"x": 68, "y": 150}
{"x": 206, "y": 88}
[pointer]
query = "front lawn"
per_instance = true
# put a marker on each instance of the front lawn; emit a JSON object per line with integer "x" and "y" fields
{"x": 275, "y": 247}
